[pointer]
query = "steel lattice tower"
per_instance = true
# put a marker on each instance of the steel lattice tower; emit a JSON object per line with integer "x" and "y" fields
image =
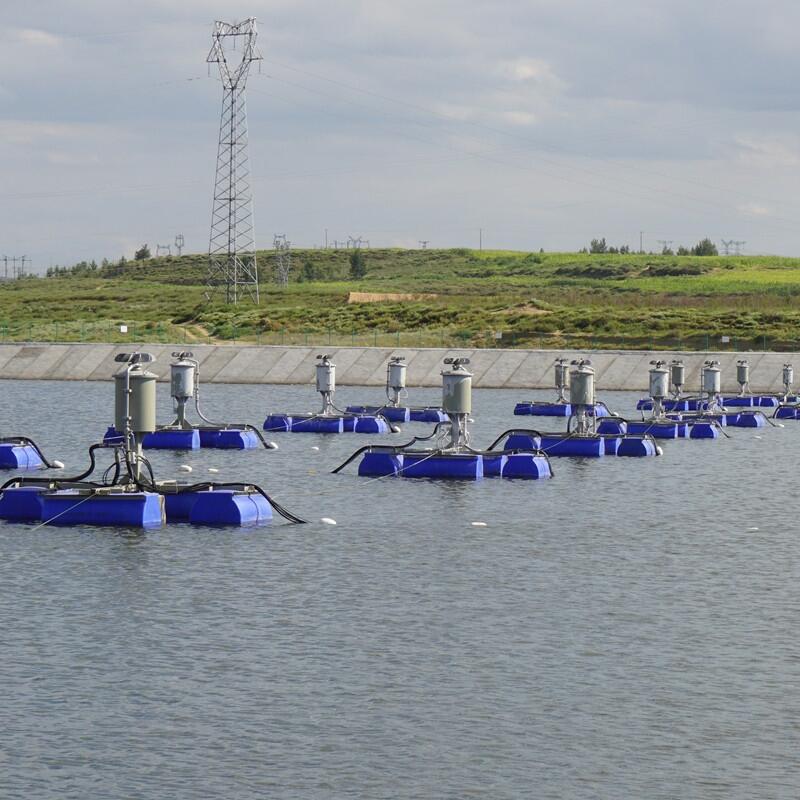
{"x": 231, "y": 249}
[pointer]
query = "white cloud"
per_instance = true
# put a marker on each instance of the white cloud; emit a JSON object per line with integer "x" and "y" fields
{"x": 531, "y": 70}
{"x": 36, "y": 37}
{"x": 769, "y": 151}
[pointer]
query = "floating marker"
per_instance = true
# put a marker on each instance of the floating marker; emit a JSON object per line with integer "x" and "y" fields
{"x": 752, "y": 530}
{"x": 314, "y": 447}
{"x": 184, "y": 468}
{"x": 479, "y": 525}
{"x": 213, "y": 469}
{"x": 328, "y": 521}
{"x": 272, "y": 446}
{"x": 58, "y": 464}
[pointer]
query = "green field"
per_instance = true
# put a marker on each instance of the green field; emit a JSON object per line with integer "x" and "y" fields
{"x": 483, "y": 299}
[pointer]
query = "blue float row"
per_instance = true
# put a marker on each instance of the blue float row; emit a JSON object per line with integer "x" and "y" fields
{"x": 567, "y": 445}
{"x": 318, "y": 423}
{"x": 402, "y": 413}
{"x": 455, "y": 466}
{"x": 19, "y": 456}
{"x": 138, "y": 509}
{"x": 536, "y": 409}
{"x": 193, "y": 439}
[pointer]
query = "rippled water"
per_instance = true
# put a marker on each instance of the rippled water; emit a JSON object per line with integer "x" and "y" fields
{"x": 625, "y": 630}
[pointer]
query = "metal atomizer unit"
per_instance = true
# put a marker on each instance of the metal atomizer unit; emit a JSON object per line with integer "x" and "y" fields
{"x": 659, "y": 386}
{"x": 711, "y": 383}
{"x": 326, "y": 382}
{"x": 743, "y": 376}
{"x": 457, "y": 399}
{"x": 677, "y": 376}
{"x": 581, "y": 395}
{"x": 396, "y": 371}
{"x": 561, "y": 375}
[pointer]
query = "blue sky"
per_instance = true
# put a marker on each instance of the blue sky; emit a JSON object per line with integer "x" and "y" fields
{"x": 544, "y": 122}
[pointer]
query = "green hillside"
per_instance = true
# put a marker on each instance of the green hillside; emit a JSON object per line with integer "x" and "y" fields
{"x": 461, "y": 297}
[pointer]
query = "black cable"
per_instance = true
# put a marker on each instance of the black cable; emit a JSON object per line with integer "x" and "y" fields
{"x": 31, "y": 443}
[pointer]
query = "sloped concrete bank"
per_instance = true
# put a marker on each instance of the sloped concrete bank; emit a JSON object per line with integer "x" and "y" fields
{"x": 366, "y": 366}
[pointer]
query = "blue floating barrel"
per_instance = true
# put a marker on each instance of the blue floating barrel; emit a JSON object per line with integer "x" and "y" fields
{"x": 543, "y": 409}
{"x": 455, "y": 466}
{"x": 172, "y": 439}
{"x": 728, "y": 419}
{"x": 767, "y": 401}
{"x": 661, "y": 429}
{"x": 526, "y": 466}
{"x": 636, "y": 447}
{"x": 19, "y": 456}
{"x": 278, "y": 422}
{"x": 786, "y": 412}
{"x": 22, "y": 503}
{"x": 229, "y": 438}
{"x": 739, "y": 402}
{"x": 612, "y": 426}
{"x": 392, "y": 413}
{"x": 380, "y": 464}
{"x": 427, "y": 415}
{"x": 126, "y": 509}
{"x": 112, "y": 436}
{"x": 644, "y": 404}
{"x": 493, "y": 465}
{"x": 703, "y": 430}
{"x": 611, "y": 444}
{"x": 178, "y": 506}
{"x": 366, "y": 424}
{"x": 748, "y": 420}
{"x": 229, "y": 507}
{"x": 576, "y": 446}
{"x": 522, "y": 441}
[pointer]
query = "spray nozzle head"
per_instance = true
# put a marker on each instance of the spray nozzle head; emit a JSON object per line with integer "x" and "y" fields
{"x": 658, "y": 364}
{"x": 456, "y": 362}
{"x": 181, "y": 354}
{"x": 134, "y": 358}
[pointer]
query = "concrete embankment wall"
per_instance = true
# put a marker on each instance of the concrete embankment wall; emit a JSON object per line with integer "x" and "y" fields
{"x": 366, "y": 366}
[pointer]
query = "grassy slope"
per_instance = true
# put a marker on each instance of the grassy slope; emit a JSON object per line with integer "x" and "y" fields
{"x": 555, "y": 299}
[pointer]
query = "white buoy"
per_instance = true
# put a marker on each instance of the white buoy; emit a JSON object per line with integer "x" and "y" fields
{"x": 758, "y": 437}
{"x": 184, "y": 468}
{"x": 780, "y": 424}
{"x": 479, "y": 525}
{"x": 272, "y": 445}
{"x": 395, "y": 429}
{"x": 58, "y": 464}
{"x": 328, "y": 521}
{"x": 752, "y": 530}
{"x": 314, "y": 447}
{"x": 659, "y": 450}
{"x": 213, "y": 469}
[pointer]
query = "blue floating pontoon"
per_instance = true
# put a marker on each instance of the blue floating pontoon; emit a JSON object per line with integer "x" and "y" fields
{"x": 537, "y": 409}
{"x": 233, "y": 438}
{"x": 454, "y": 466}
{"x": 683, "y": 404}
{"x": 20, "y": 455}
{"x": 319, "y": 423}
{"x": 751, "y": 401}
{"x": 402, "y": 413}
{"x": 217, "y": 507}
{"x": 787, "y": 412}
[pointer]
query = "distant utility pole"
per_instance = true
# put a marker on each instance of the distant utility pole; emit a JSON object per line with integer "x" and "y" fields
{"x": 480, "y": 238}
{"x": 738, "y": 246}
{"x": 166, "y": 249}
{"x": 354, "y": 243}
{"x": 283, "y": 258}
{"x": 666, "y": 244}
{"x": 326, "y": 238}
{"x": 641, "y": 241}
{"x": 423, "y": 243}
{"x": 179, "y": 242}
{"x": 16, "y": 271}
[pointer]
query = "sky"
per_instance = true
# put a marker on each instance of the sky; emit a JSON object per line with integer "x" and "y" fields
{"x": 521, "y": 124}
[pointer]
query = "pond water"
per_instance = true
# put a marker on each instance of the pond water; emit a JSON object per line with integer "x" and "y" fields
{"x": 626, "y": 629}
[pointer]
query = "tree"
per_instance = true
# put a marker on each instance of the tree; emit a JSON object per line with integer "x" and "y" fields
{"x": 683, "y": 251}
{"x": 358, "y": 267}
{"x": 142, "y": 253}
{"x": 705, "y": 247}
{"x": 598, "y": 246}
{"x": 667, "y": 251}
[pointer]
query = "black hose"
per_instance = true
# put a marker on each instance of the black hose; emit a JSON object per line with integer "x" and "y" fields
{"x": 497, "y": 441}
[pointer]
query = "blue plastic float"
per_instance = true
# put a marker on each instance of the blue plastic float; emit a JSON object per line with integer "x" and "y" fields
{"x": 401, "y": 413}
{"x": 537, "y": 409}
{"x": 318, "y": 423}
{"x": 454, "y": 466}
{"x": 20, "y": 456}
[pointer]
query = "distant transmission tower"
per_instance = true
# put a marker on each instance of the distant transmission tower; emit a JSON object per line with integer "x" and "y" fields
{"x": 163, "y": 249}
{"x": 666, "y": 244}
{"x": 283, "y": 258}
{"x": 738, "y": 246}
{"x": 179, "y": 243}
{"x": 726, "y": 246}
{"x": 231, "y": 249}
